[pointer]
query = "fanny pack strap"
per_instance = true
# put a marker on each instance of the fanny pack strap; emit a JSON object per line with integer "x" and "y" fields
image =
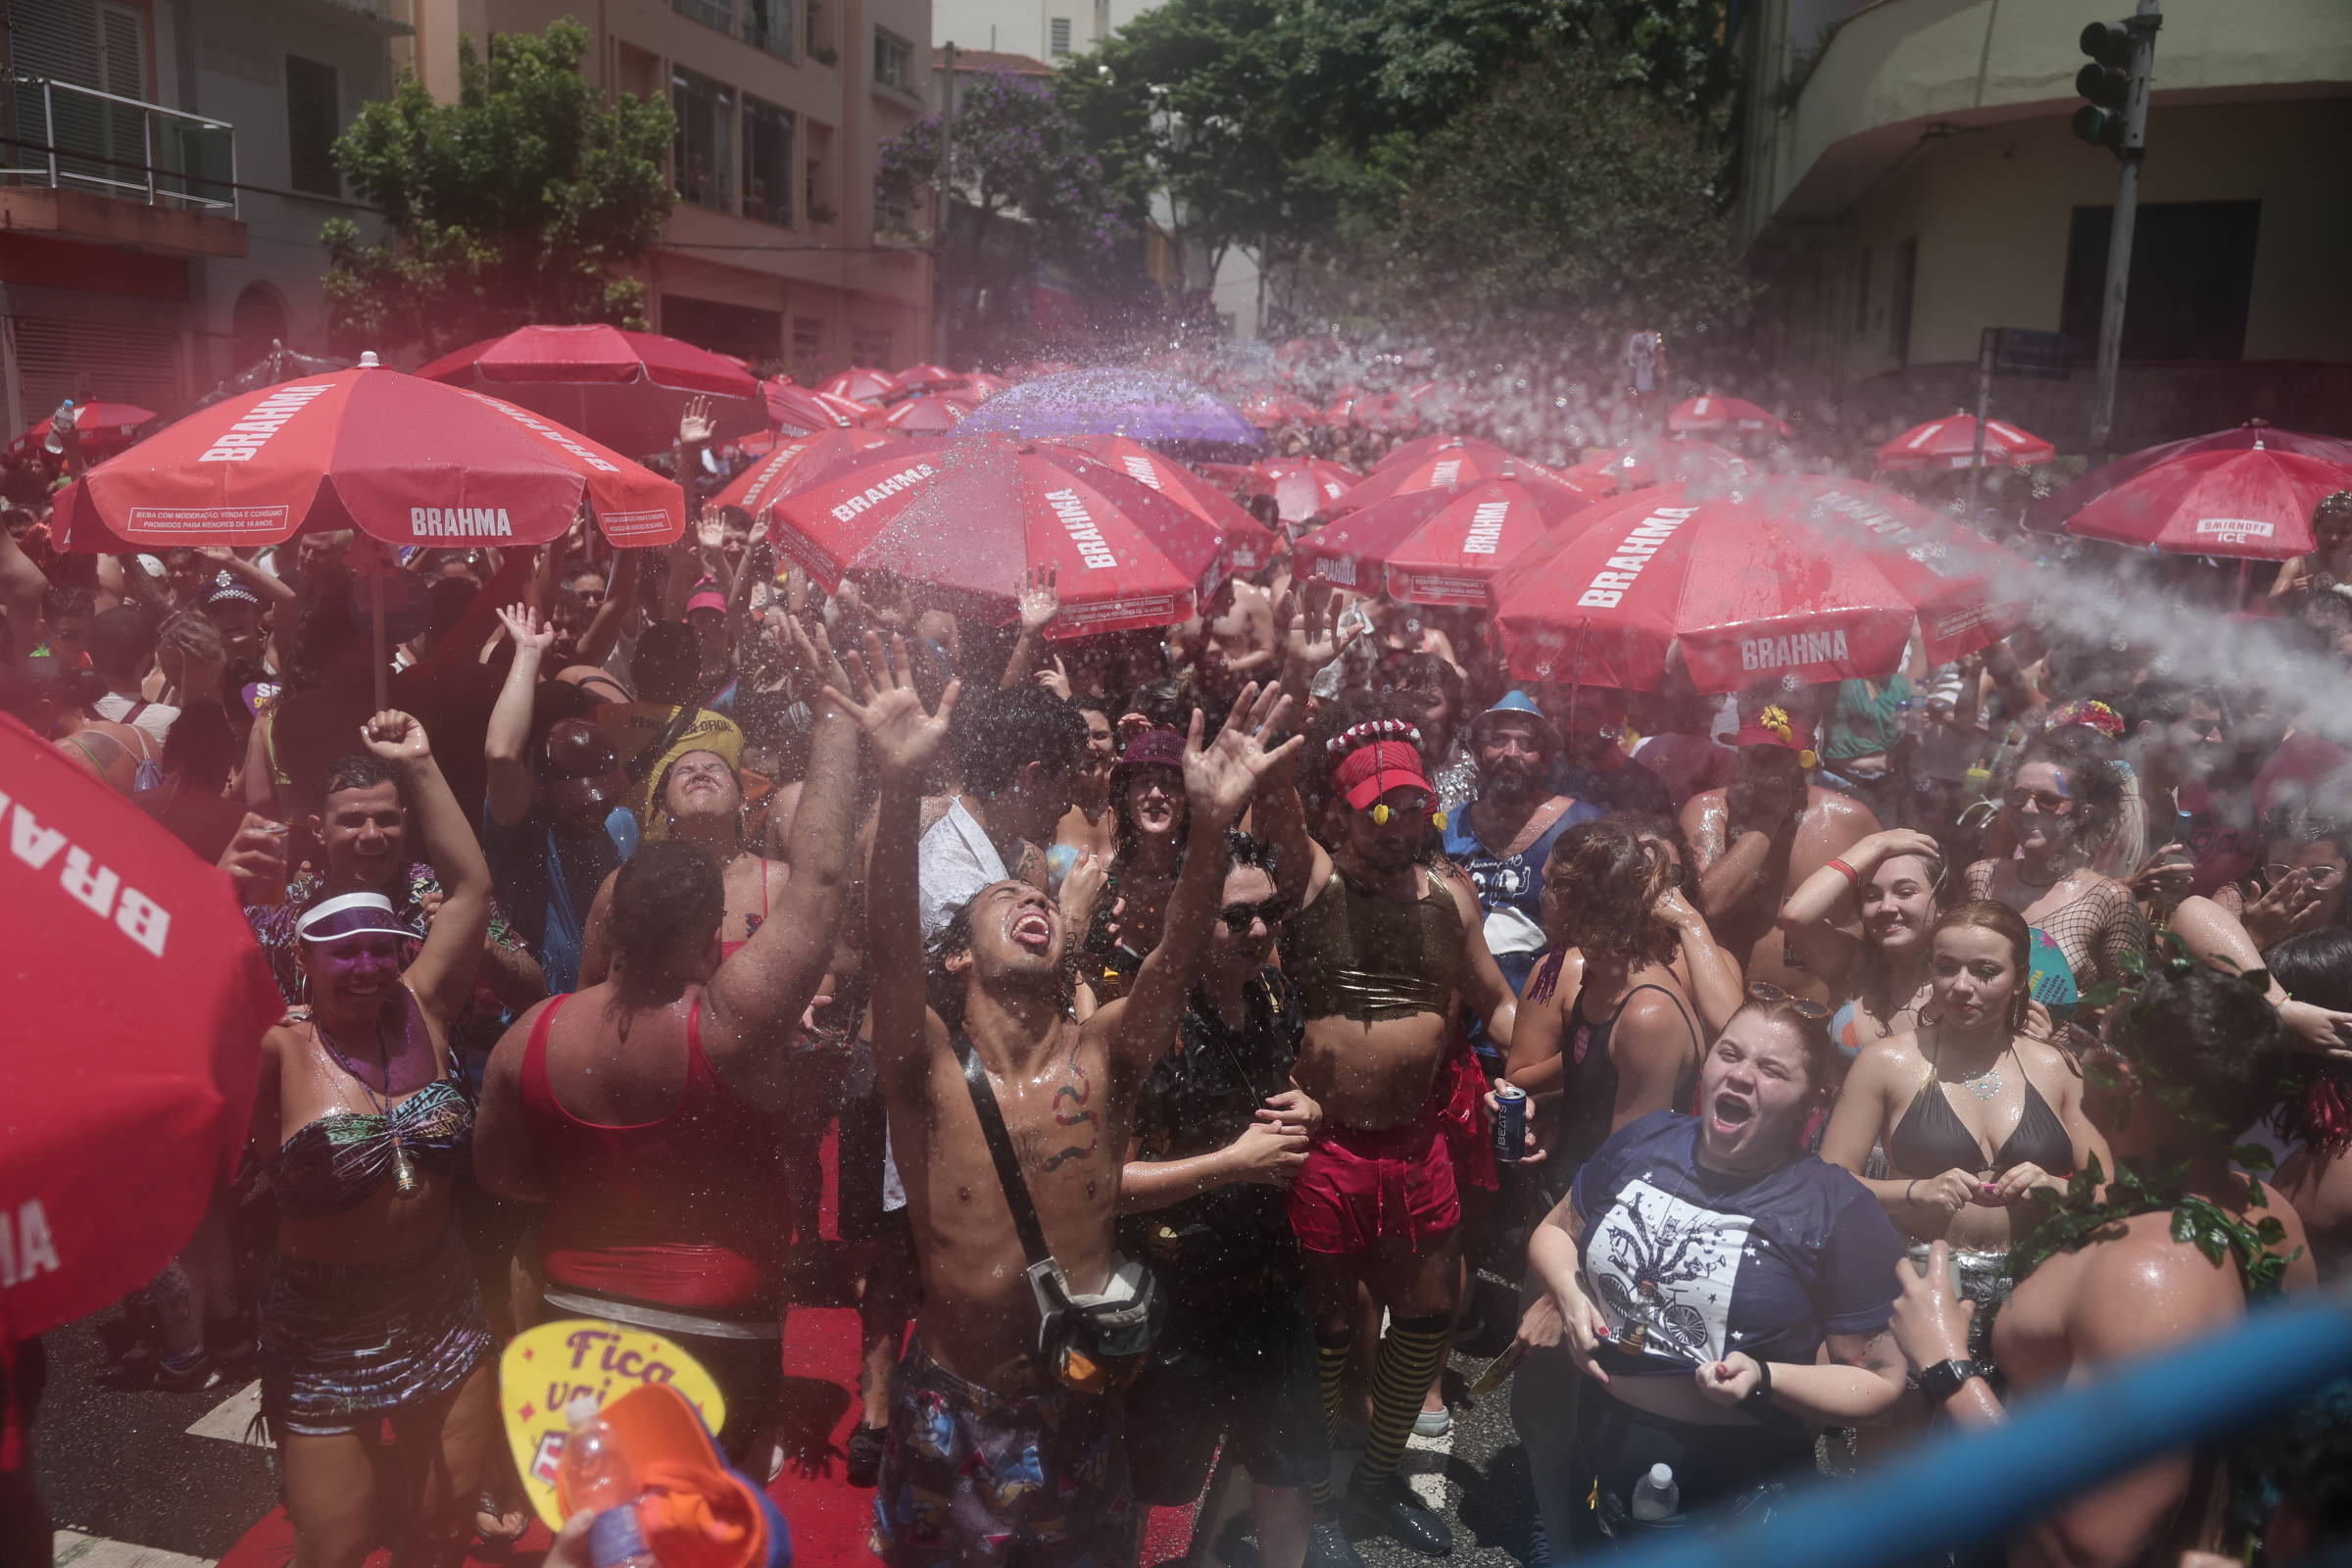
{"x": 999, "y": 1150}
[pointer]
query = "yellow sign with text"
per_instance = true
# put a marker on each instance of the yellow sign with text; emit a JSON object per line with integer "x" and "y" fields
{"x": 546, "y": 1368}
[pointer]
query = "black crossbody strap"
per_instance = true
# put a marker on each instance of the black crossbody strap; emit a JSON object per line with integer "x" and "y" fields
{"x": 999, "y": 1150}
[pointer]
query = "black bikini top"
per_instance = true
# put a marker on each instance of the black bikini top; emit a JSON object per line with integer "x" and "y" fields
{"x": 1931, "y": 1139}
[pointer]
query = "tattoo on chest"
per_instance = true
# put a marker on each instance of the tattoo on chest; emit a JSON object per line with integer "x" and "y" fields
{"x": 1073, "y": 1110}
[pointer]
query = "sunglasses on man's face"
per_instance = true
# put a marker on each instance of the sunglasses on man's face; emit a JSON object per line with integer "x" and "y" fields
{"x": 1240, "y": 917}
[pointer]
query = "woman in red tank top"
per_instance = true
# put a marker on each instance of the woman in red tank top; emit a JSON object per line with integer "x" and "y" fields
{"x": 639, "y": 1110}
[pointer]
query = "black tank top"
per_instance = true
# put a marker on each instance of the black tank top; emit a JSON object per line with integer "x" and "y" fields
{"x": 1931, "y": 1139}
{"x": 1589, "y": 1077}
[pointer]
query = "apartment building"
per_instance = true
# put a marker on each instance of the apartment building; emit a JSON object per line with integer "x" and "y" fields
{"x": 1911, "y": 178}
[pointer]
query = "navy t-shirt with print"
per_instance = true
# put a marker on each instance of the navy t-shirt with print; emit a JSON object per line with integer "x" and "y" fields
{"x": 1691, "y": 1264}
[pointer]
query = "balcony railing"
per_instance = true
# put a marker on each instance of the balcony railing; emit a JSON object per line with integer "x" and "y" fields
{"x": 69, "y": 137}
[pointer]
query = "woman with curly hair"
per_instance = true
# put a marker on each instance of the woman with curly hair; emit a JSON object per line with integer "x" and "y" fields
{"x": 2061, "y": 800}
{"x": 1606, "y": 1031}
{"x": 2317, "y": 1177}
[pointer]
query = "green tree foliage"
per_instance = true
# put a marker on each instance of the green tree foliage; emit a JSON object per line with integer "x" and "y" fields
{"x": 1565, "y": 210}
{"x": 526, "y": 200}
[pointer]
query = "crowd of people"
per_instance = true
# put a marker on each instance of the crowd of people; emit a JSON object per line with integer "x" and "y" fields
{"x": 1810, "y": 1008}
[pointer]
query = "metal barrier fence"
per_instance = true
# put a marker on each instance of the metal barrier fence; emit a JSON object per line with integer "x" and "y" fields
{"x": 1964, "y": 1489}
{"x": 65, "y": 136}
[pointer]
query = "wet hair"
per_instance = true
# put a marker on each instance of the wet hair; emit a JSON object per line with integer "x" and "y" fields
{"x": 1246, "y": 852}
{"x": 667, "y": 897}
{"x": 200, "y": 746}
{"x": 1819, "y": 1051}
{"x": 1003, "y": 729}
{"x": 667, "y": 662}
{"x": 63, "y": 599}
{"x": 569, "y": 603}
{"x": 2317, "y": 967}
{"x": 2093, "y": 780}
{"x": 357, "y": 771}
{"x": 1599, "y": 893}
{"x": 2210, "y": 1043}
{"x": 123, "y": 641}
{"x": 1162, "y": 702}
{"x": 1652, "y": 825}
{"x": 584, "y": 569}
{"x": 191, "y": 634}
{"x": 1990, "y": 914}
{"x": 1419, "y": 672}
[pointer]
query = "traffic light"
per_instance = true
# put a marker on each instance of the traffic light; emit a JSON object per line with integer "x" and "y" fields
{"x": 2106, "y": 82}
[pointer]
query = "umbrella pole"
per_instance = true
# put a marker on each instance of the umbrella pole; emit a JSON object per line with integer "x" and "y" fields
{"x": 1976, "y": 456}
{"x": 375, "y": 601}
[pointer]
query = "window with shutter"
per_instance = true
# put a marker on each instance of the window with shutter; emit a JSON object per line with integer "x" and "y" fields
{"x": 312, "y": 121}
{"x": 1060, "y": 28}
{"x": 59, "y": 360}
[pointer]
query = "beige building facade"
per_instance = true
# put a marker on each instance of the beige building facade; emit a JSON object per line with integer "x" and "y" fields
{"x": 1911, "y": 178}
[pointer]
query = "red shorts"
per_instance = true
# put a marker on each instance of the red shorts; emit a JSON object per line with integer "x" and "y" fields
{"x": 1461, "y": 1092}
{"x": 1362, "y": 1187}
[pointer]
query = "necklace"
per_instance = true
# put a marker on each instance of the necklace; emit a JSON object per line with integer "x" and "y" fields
{"x": 1985, "y": 1085}
{"x": 404, "y": 1169}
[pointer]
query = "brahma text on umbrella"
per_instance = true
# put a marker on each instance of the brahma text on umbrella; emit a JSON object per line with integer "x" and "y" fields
{"x": 1796, "y": 647}
{"x": 1079, "y": 523}
{"x": 460, "y": 522}
{"x": 241, "y": 440}
{"x": 1608, "y": 586}
{"x": 95, "y": 886}
{"x": 877, "y": 493}
{"x": 27, "y": 1245}
{"x": 1486, "y": 529}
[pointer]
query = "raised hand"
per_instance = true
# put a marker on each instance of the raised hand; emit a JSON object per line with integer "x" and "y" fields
{"x": 1055, "y": 678}
{"x": 812, "y": 651}
{"x": 1311, "y": 637}
{"x": 905, "y": 738}
{"x": 396, "y": 737}
{"x": 528, "y": 629}
{"x": 1038, "y": 592}
{"x": 695, "y": 424}
{"x": 1221, "y": 777}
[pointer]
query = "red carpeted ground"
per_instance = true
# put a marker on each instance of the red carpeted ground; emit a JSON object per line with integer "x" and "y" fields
{"x": 829, "y": 1517}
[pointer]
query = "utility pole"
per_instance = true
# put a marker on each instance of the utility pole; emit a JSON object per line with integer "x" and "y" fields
{"x": 942, "y": 220}
{"x": 2124, "y": 56}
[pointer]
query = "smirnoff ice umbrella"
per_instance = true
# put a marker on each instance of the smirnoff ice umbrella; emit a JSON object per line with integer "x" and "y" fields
{"x": 2253, "y": 503}
{"x": 406, "y": 460}
{"x": 1951, "y": 443}
{"x": 1788, "y": 579}
{"x": 136, "y": 1003}
{"x": 969, "y": 517}
{"x": 626, "y": 389}
{"x": 1431, "y": 547}
{"x": 2050, "y": 512}
{"x": 1249, "y": 543}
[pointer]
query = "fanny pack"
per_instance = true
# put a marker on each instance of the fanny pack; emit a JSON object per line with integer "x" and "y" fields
{"x": 1093, "y": 1343}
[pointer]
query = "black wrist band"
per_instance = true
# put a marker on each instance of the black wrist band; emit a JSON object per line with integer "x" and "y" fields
{"x": 1759, "y": 1399}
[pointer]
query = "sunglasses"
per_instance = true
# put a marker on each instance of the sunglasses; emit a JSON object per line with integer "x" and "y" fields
{"x": 1773, "y": 996}
{"x": 2319, "y": 877}
{"x": 2047, "y": 802}
{"x": 1240, "y": 917}
{"x": 1414, "y": 804}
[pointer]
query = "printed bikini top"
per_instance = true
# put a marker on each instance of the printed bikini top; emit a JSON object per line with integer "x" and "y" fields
{"x": 331, "y": 1164}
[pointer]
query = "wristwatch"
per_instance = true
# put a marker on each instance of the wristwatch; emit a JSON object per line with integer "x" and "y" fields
{"x": 1758, "y": 1400}
{"x": 1942, "y": 1380}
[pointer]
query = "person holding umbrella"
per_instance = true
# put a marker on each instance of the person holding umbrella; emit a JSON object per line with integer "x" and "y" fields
{"x": 371, "y": 1310}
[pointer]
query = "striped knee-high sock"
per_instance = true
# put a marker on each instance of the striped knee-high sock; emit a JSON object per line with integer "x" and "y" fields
{"x": 1330, "y": 1370}
{"x": 1401, "y": 1374}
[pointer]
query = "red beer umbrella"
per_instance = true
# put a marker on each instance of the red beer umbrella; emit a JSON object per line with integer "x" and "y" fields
{"x": 1270, "y": 409}
{"x": 1951, "y": 443}
{"x": 928, "y": 378}
{"x": 1714, "y": 415}
{"x": 1431, "y": 547}
{"x": 1450, "y": 466}
{"x": 923, "y": 416}
{"x": 981, "y": 385}
{"x": 861, "y": 385}
{"x": 966, "y": 518}
{"x": 1249, "y": 543}
{"x": 104, "y": 429}
{"x": 2052, "y": 512}
{"x": 624, "y": 389}
{"x": 801, "y": 462}
{"x": 408, "y": 460}
{"x": 1678, "y": 460}
{"x": 2253, "y": 503}
{"x": 136, "y": 1003}
{"x": 1804, "y": 577}
{"x": 805, "y": 412}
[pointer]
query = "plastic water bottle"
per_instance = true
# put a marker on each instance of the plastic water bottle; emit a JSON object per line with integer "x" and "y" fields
{"x": 1655, "y": 1495}
{"x": 595, "y": 1474}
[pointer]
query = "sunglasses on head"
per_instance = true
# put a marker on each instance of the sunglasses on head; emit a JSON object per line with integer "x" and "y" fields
{"x": 1240, "y": 917}
{"x": 1773, "y": 996}
{"x": 2049, "y": 802}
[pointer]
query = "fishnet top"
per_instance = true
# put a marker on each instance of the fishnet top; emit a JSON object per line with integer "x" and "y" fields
{"x": 2093, "y": 931}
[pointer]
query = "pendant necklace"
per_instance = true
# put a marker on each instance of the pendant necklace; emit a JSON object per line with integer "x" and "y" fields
{"x": 404, "y": 1169}
{"x": 1985, "y": 1085}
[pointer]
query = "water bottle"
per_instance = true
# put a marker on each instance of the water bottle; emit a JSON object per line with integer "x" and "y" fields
{"x": 594, "y": 1473}
{"x": 1655, "y": 1495}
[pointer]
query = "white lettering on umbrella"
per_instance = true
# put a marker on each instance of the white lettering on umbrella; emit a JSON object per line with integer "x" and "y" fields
{"x": 2235, "y": 530}
{"x": 553, "y": 432}
{"x": 1079, "y": 523}
{"x": 1141, "y": 469}
{"x": 1336, "y": 568}
{"x": 876, "y": 494}
{"x": 96, "y": 887}
{"x": 1797, "y": 648}
{"x": 27, "y": 1247}
{"x": 1446, "y": 473}
{"x": 241, "y": 440}
{"x": 460, "y": 522}
{"x": 1609, "y": 587}
{"x": 1486, "y": 529}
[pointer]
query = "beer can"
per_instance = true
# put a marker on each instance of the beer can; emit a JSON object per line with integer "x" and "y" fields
{"x": 1510, "y": 1121}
